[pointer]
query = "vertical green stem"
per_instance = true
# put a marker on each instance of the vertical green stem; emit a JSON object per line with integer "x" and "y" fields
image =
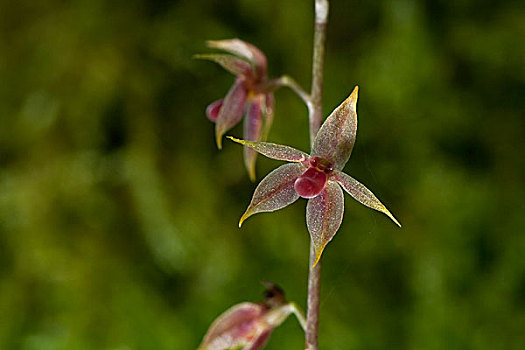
{"x": 315, "y": 117}
{"x": 316, "y": 112}
{"x": 314, "y": 292}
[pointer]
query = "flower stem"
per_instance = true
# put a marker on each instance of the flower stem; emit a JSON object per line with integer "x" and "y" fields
{"x": 316, "y": 112}
{"x": 312, "y": 312}
{"x": 299, "y": 315}
{"x": 288, "y": 81}
{"x": 315, "y": 118}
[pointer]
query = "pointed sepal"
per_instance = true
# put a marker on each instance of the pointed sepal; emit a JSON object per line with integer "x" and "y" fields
{"x": 274, "y": 150}
{"x": 268, "y": 114}
{"x": 363, "y": 195}
{"x": 336, "y": 137}
{"x": 252, "y": 132}
{"x": 324, "y": 215}
{"x": 244, "y": 50}
{"x": 231, "y": 111}
{"x": 275, "y": 191}
{"x": 235, "y": 65}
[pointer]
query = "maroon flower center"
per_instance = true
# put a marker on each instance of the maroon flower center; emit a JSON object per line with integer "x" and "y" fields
{"x": 313, "y": 180}
{"x": 320, "y": 164}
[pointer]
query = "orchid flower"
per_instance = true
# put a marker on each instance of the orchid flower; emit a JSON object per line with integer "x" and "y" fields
{"x": 251, "y": 94}
{"x": 249, "y": 325}
{"x": 317, "y": 176}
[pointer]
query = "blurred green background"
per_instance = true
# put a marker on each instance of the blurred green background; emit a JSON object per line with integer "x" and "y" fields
{"x": 118, "y": 215}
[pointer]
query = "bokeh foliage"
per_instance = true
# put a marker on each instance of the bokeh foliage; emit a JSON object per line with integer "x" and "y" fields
{"x": 118, "y": 215}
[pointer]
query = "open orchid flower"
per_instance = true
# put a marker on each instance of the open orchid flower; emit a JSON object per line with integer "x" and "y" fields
{"x": 249, "y": 325}
{"x": 317, "y": 177}
{"x": 250, "y": 95}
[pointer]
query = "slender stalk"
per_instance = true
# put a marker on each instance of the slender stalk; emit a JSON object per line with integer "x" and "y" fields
{"x": 299, "y": 314}
{"x": 288, "y": 81}
{"x": 315, "y": 118}
{"x": 316, "y": 112}
{"x": 312, "y": 312}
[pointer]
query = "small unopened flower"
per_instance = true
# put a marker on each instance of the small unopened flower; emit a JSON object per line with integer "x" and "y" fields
{"x": 316, "y": 176}
{"x": 249, "y": 325}
{"x": 250, "y": 95}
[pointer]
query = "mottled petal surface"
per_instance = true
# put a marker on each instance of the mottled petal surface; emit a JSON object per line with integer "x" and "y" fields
{"x": 361, "y": 194}
{"x": 245, "y": 50}
{"x": 274, "y": 150}
{"x": 231, "y": 111}
{"x": 336, "y": 138}
{"x": 213, "y": 110}
{"x": 232, "y": 64}
{"x": 275, "y": 191}
{"x": 271, "y": 320}
{"x": 237, "y": 326}
{"x": 268, "y": 113}
{"x": 259, "y": 342}
{"x": 252, "y": 132}
{"x": 324, "y": 215}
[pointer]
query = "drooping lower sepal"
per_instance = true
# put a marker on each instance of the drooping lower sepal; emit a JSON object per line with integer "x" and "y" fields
{"x": 252, "y": 131}
{"x": 231, "y": 110}
{"x": 324, "y": 215}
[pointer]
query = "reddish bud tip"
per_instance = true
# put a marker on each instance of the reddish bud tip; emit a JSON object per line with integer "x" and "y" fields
{"x": 310, "y": 184}
{"x": 213, "y": 110}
